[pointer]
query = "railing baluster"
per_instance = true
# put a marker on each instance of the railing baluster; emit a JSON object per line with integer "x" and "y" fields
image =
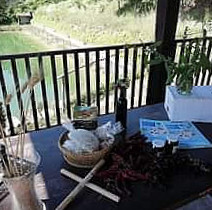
{"x": 56, "y": 95}
{"x": 209, "y": 48}
{"x": 202, "y": 51}
{"x": 34, "y": 110}
{"x": 182, "y": 50}
{"x": 208, "y": 56}
{"x": 65, "y": 69}
{"x": 141, "y": 76}
{"x": 77, "y": 76}
{"x": 126, "y": 55}
{"x": 107, "y": 80}
{"x": 209, "y": 77}
{"x": 87, "y": 63}
{"x": 135, "y": 53}
{"x": 4, "y": 91}
{"x": 97, "y": 82}
{"x": 18, "y": 90}
{"x": 43, "y": 89}
{"x": 188, "y": 50}
{"x": 116, "y": 76}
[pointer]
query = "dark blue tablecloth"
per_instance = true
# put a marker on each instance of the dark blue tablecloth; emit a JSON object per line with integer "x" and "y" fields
{"x": 144, "y": 197}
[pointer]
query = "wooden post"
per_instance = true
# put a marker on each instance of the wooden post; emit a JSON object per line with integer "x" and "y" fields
{"x": 166, "y": 24}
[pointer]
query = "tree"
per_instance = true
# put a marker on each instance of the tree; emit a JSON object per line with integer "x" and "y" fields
{"x": 3, "y": 14}
{"x": 199, "y": 10}
{"x": 137, "y": 6}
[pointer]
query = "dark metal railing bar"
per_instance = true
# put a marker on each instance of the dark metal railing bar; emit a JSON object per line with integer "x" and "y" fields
{"x": 81, "y": 67}
{"x": 18, "y": 90}
{"x": 204, "y": 41}
{"x": 188, "y": 51}
{"x": 66, "y": 79}
{"x": 107, "y": 81}
{"x": 34, "y": 110}
{"x": 97, "y": 82}
{"x": 196, "y": 44}
{"x": 209, "y": 49}
{"x": 182, "y": 50}
{"x": 43, "y": 89}
{"x": 78, "y": 50}
{"x": 77, "y": 78}
{"x": 116, "y": 76}
{"x": 203, "y": 70}
{"x": 4, "y": 91}
{"x": 135, "y": 54}
{"x": 126, "y": 58}
{"x": 192, "y": 39}
{"x": 55, "y": 86}
{"x": 209, "y": 76}
{"x": 81, "y": 50}
{"x": 141, "y": 76}
{"x": 208, "y": 56}
{"x": 88, "y": 88}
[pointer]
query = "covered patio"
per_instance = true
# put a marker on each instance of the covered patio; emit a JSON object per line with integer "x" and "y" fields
{"x": 86, "y": 76}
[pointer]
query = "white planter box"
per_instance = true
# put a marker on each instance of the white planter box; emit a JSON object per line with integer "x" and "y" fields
{"x": 196, "y": 107}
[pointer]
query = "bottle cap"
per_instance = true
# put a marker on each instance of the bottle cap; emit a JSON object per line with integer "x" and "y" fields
{"x": 158, "y": 144}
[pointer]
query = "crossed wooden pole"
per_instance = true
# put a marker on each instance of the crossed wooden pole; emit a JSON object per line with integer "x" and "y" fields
{"x": 85, "y": 182}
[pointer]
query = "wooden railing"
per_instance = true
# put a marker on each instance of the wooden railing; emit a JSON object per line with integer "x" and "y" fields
{"x": 80, "y": 76}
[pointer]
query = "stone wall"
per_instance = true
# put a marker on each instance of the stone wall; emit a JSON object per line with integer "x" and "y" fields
{"x": 55, "y": 38}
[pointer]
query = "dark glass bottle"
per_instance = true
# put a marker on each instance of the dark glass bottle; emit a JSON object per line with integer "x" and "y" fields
{"x": 121, "y": 108}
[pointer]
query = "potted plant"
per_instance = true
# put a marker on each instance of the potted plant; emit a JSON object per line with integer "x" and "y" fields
{"x": 191, "y": 63}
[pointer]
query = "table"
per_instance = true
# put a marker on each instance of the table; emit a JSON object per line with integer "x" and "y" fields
{"x": 144, "y": 197}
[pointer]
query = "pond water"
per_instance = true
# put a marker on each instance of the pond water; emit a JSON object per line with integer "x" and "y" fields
{"x": 19, "y": 42}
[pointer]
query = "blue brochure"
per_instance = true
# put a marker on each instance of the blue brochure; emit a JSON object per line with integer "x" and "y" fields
{"x": 188, "y": 135}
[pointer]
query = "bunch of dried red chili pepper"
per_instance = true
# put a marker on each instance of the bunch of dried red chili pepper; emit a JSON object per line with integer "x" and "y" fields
{"x": 135, "y": 159}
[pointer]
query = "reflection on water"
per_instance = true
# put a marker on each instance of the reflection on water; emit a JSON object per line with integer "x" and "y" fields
{"x": 22, "y": 78}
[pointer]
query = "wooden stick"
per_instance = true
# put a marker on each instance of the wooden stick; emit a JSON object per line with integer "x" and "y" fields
{"x": 190, "y": 199}
{"x": 6, "y": 147}
{"x": 13, "y": 155}
{"x": 92, "y": 186}
{"x": 6, "y": 166}
{"x": 80, "y": 186}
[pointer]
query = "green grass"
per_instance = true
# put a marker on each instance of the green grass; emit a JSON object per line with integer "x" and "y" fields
{"x": 98, "y": 23}
{"x": 17, "y": 42}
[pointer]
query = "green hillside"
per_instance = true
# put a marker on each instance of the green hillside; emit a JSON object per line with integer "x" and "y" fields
{"x": 97, "y": 22}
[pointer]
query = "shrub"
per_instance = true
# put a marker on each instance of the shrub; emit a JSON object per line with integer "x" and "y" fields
{"x": 8, "y": 11}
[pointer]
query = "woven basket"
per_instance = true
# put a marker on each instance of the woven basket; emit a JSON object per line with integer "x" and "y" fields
{"x": 82, "y": 160}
